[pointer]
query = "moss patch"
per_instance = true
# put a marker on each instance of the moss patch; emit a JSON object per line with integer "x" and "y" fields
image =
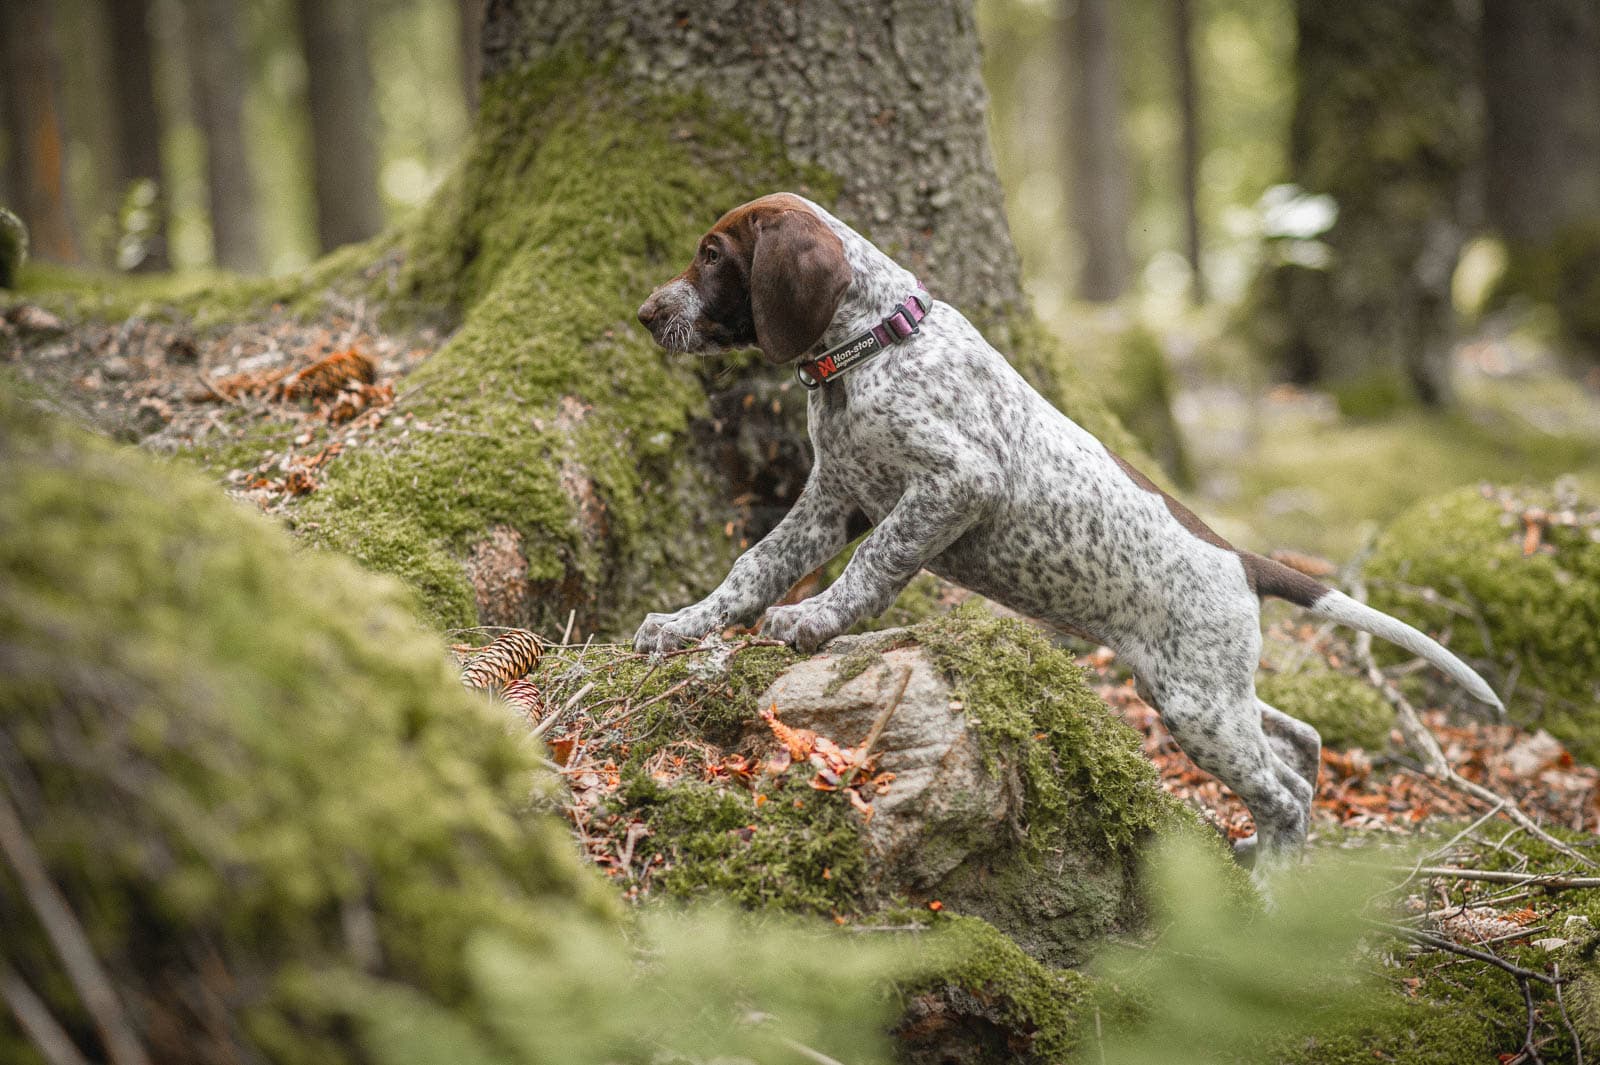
{"x": 1540, "y": 613}
{"x": 227, "y": 751}
{"x": 1346, "y": 711}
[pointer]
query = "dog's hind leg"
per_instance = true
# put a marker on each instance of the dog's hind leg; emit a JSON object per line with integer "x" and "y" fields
{"x": 1292, "y": 740}
{"x": 1218, "y": 724}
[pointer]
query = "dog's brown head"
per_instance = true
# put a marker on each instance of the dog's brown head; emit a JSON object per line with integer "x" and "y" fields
{"x": 769, "y": 274}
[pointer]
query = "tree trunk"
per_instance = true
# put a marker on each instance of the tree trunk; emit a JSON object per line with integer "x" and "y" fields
{"x": 1541, "y": 74}
{"x": 1099, "y": 174}
{"x": 344, "y": 121}
{"x": 136, "y": 137}
{"x": 1382, "y": 125}
{"x": 581, "y": 471}
{"x": 217, "y": 65}
{"x": 887, "y": 98}
{"x": 471, "y": 19}
{"x": 1189, "y": 157}
{"x": 36, "y": 140}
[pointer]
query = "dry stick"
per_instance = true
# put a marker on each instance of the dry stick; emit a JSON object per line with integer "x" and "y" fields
{"x": 1528, "y": 1049}
{"x": 70, "y": 941}
{"x": 33, "y": 1017}
{"x": 877, "y": 729}
{"x": 1552, "y": 881}
{"x": 1438, "y": 943}
{"x": 1420, "y": 740}
{"x": 1577, "y": 1044}
{"x": 544, "y": 726}
{"x": 566, "y": 633}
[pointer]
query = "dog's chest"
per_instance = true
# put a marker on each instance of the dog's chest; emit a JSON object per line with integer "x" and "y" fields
{"x": 863, "y": 452}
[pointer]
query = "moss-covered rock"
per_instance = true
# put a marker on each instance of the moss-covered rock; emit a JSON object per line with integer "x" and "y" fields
{"x": 1457, "y": 564}
{"x": 1346, "y": 711}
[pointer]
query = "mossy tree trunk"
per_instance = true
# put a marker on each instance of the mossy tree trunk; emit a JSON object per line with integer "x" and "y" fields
{"x": 567, "y": 464}
{"x": 1541, "y": 73}
{"x": 1383, "y": 125}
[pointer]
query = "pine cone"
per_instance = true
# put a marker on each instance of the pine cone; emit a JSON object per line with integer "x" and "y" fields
{"x": 524, "y": 697}
{"x": 509, "y": 657}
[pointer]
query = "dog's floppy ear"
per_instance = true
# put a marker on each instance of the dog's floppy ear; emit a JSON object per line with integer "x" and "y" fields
{"x": 797, "y": 278}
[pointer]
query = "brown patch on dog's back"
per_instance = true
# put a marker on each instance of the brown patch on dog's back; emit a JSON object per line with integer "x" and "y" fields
{"x": 1266, "y": 577}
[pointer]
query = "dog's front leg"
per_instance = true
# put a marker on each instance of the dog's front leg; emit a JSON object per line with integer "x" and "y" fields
{"x": 811, "y": 533}
{"x": 921, "y": 526}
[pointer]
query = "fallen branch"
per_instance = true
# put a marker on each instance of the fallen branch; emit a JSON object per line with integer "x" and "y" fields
{"x": 1551, "y": 881}
{"x": 33, "y": 1017}
{"x": 877, "y": 729}
{"x": 1439, "y": 943}
{"x": 1435, "y": 765}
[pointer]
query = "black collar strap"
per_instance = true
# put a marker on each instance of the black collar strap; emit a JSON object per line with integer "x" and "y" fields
{"x": 837, "y": 360}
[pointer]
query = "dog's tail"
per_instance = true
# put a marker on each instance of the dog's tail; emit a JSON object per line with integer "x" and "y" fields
{"x": 1276, "y": 579}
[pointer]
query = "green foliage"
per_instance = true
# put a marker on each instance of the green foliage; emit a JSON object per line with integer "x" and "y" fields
{"x": 1224, "y": 981}
{"x": 1346, "y": 711}
{"x": 1564, "y": 273}
{"x": 711, "y": 987}
{"x": 1541, "y": 613}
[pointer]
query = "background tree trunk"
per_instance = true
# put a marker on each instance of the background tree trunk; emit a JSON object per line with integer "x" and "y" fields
{"x": 471, "y": 50}
{"x": 217, "y": 58}
{"x": 136, "y": 134}
{"x": 1189, "y": 153}
{"x": 1541, "y": 75}
{"x": 343, "y": 120}
{"x": 1383, "y": 124}
{"x": 36, "y": 142}
{"x": 1094, "y": 141}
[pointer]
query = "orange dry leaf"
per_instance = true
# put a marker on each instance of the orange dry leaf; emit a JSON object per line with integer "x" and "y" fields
{"x": 324, "y": 378}
{"x": 798, "y": 742}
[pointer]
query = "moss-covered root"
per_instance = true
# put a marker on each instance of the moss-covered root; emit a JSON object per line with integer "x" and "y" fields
{"x": 1462, "y": 558}
{"x": 977, "y": 997}
{"x": 239, "y": 762}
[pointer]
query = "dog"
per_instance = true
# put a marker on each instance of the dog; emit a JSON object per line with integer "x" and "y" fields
{"x": 965, "y": 470}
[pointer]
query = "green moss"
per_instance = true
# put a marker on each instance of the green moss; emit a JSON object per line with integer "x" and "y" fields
{"x": 1138, "y": 388}
{"x": 1016, "y": 1009}
{"x": 227, "y": 751}
{"x": 1540, "y": 614}
{"x": 1082, "y": 768}
{"x": 1345, "y": 710}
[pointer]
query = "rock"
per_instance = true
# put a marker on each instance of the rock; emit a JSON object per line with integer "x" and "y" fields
{"x": 1532, "y": 755}
{"x": 944, "y": 802}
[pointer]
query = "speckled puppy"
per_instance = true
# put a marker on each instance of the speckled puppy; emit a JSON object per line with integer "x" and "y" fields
{"x": 964, "y": 469}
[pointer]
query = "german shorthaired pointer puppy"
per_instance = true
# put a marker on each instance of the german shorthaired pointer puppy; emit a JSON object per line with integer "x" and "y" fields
{"x": 964, "y": 469}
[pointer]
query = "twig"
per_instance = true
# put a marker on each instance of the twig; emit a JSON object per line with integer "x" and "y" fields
{"x": 544, "y": 726}
{"x": 1566, "y": 1021}
{"x": 33, "y": 1017}
{"x": 1420, "y": 740}
{"x": 808, "y": 1053}
{"x": 1438, "y": 943}
{"x": 70, "y": 941}
{"x": 566, "y": 633}
{"x": 877, "y": 729}
{"x": 1550, "y": 881}
{"x": 1528, "y": 1049}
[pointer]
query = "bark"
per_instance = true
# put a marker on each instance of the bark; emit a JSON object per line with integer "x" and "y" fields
{"x": 1541, "y": 74}
{"x": 471, "y": 50}
{"x": 137, "y": 126}
{"x": 36, "y": 142}
{"x": 1099, "y": 172}
{"x": 344, "y": 121}
{"x": 1189, "y": 157}
{"x": 217, "y": 63}
{"x": 1542, "y": 101}
{"x": 1382, "y": 124}
{"x": 887, "y": 98}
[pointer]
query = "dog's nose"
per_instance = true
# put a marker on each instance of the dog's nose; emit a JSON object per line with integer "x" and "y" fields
{"x": 648, "y": 310}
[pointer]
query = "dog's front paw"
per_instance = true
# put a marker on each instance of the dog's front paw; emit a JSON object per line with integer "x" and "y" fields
{"x": 665, "y": 632}
{"x": 804, "y": 626}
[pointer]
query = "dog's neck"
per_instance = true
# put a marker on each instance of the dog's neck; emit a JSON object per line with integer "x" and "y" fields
{"x": 878, "y": 285}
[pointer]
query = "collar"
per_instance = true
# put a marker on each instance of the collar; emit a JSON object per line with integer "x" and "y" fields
{"x": 837, "y": 360}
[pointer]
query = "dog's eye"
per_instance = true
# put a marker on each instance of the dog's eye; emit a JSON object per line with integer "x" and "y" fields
{"x": 711, "y": 255}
